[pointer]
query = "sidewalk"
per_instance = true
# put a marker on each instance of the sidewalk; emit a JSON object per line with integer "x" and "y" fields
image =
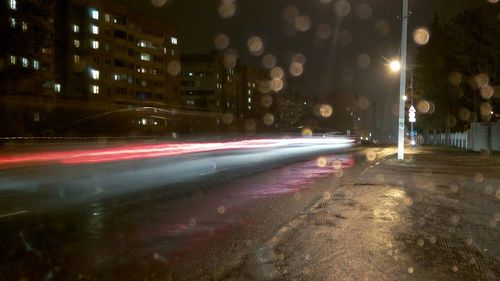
{"x": 433, "y": 216}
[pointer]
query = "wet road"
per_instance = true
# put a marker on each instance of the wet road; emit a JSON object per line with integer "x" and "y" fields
{"x": 162, "y": 218}
{"x": 321, "y": 216}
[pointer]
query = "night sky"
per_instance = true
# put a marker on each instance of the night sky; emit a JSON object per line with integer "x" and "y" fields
{"x": 370, "y": 29}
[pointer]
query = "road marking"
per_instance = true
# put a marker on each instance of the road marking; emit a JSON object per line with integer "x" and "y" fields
{"x": 13, "y": 214}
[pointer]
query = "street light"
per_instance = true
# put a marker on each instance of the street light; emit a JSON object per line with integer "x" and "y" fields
{"x": 402, "y": 83}
{"x": 395, "y": 66}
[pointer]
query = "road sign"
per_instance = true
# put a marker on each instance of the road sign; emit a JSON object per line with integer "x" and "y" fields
{"x": 412, "y": 114}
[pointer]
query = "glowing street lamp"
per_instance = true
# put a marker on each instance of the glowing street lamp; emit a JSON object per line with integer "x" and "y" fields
{"x": 395, "y": 66}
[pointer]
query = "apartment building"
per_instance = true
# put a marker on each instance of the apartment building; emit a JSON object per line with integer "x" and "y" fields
{"x": 115, "y": 54}
{"x": 70, "y": 60}
{"x": 27, "y": 65}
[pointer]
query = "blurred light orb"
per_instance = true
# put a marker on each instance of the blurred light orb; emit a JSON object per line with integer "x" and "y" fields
{"x": 382, "y": 28}
{"x": 463, "y": 114}
{"x": 363, "y": 103}
{"x": 323, "y": 31}
{"x": 342, "y": 8}
{"x": 266, "y": 100}
{"x": 364, "y": 60}
{"x": 371, "y": 155}
{"x": 363, "y": 11}
{"x": 432, "y": 107}
{"x": 345, "y": 38}
{"x": 487, "y": 92}
{"x": 227, "y": 118}
{"x": 250, "y": 124}
{"x": 255, "y": 45}
{"x": 269, "y": 61}
{"x": 307, "y": 132}
{"x": 485, "y": 110}
{"x": 327, "y": 195}
{"x": 482, "y": 80}
{"x": 227, "y": 9}
{"x": 321, "y": 162}
{"x": 455, "y": 79}
{"x": 423, "y": 106}
{"x": 268, "y": 119}
{"x": 478, "y": 177}
{"x": 221, "y": 41}
{"x": 277, "y": 85}
{"x": 296, "y": 69}
{"x": 421, "y": 36}
{"x": 451, "y": 121}
{"x": 339, "y": 173}
{"x": 230, "y": 58}
{"x": 221, "y": 210}
{"x": 302, "y": 23}
{"x": 300, "y": 58}
{"x": 264, "y": 86}
{"x": 277, "y": 73}
{"x": 158, "y": 3}
{"x": 326, "y": 110}
{"x": 395, "y": 66}
{"x": 290, "y": 14}
{"x": 174, "y": 68}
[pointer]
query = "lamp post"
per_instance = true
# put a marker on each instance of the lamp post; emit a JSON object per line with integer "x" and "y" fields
{"x": 402, "y": 83}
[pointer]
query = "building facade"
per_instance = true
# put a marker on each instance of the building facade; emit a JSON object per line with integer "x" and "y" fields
{"x": 95, "y": 60}
{"x": 27, "y": 65}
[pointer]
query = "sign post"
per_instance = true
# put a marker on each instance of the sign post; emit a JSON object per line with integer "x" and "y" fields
{"x": 412, "y": 117}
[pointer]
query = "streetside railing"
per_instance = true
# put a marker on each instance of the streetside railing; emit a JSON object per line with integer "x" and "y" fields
{"x": 476, "y": 138}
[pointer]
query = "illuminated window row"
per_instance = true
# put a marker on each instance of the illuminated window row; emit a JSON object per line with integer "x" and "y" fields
{"x": 25, "y": 62}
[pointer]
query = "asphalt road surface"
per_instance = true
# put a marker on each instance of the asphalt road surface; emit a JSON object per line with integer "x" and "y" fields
{"x": 321, "y": 215}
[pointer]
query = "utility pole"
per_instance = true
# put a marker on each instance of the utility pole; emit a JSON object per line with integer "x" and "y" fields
{"x": 402, "y": 83}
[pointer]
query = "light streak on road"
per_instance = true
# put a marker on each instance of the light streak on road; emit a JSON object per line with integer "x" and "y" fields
{"x": 137, "y": 152}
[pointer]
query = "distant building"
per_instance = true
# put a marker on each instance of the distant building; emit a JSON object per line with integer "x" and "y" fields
{"x": 91, "y": 57}
{"x": 27, "y": 65}
{"x": 210, "y": 89}
{"x": 116, "y": 54}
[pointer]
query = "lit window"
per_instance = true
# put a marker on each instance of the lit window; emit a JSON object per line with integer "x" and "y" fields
{"x": 76, "y": 28}
{"x": 95, "y": 29}
{"x": 94, "y": 14}
{"x": 12, "y": 4}
{"x": 76, "y": 58}
{"x": 107, "y": 17}
{"x": 36, "y": 64}
{"x": 12, "y": 22}
{"x": 25, "y": 62}
{"x": 95, "y": 44}
{"x": 76, "y": 43}
{"x": 94, "y": 74}
{"x": 95, "y": 89}
{"x": 57, "y": 88}
{"x": 145, "y": 57}
{"x": 24, "y": 26}
{"x": 173, "y": 40}
{"x": 12, "y": 60}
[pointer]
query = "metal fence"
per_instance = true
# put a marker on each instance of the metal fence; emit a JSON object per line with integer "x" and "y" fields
{"x": 476, "y": 138}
